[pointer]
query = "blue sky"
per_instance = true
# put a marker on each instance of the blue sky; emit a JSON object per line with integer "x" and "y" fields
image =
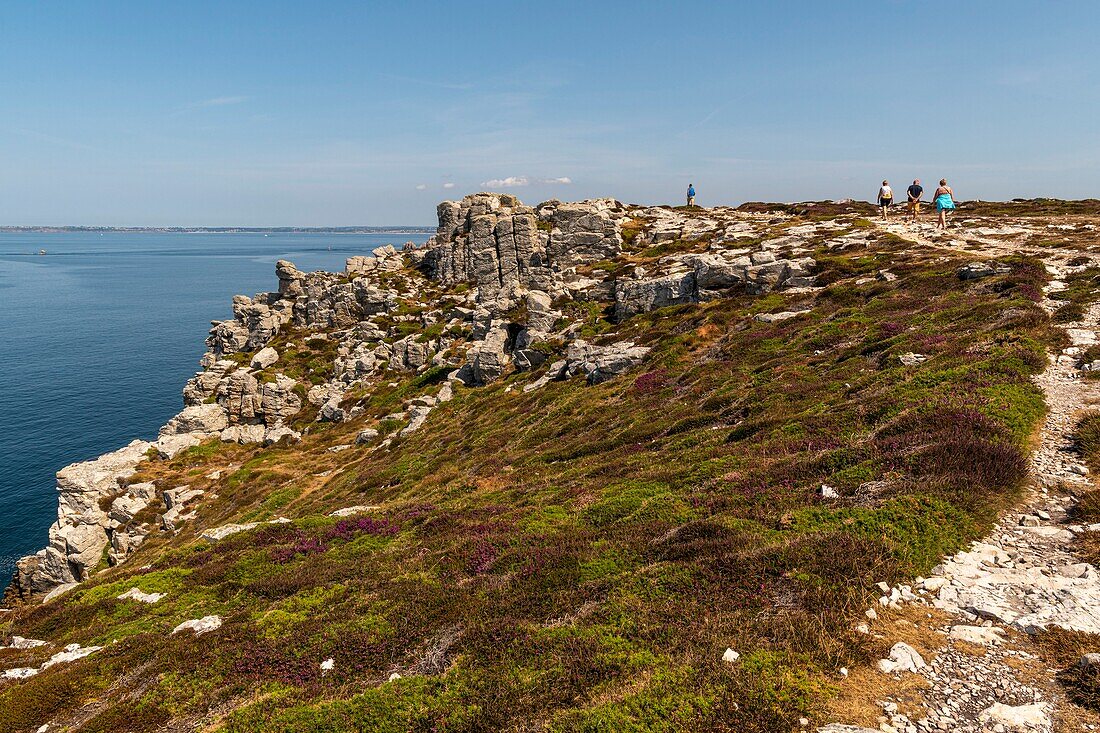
{"x": 340, "y": 113}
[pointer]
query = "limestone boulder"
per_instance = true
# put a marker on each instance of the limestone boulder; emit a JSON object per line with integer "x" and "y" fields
{"x": 264, "y": 358}
{"x": 641, "y": 296}
{"x": 202, "y": 419}
{"x": 170, "y": 446}
{"x": 978, "y": 270}
{"x": 204, "y": 385}
{"x": 244, "y": 434}
{"x": 541, "y": 316}
{"x": 903, "y": 658}
{"x": 281, "y": 435}
{"x": 290, "y": 278}
{"x": 489, "y": 359}
{"x": 718, "y": 273}
{"x": 200, "y": 626}
{"x": 279, "y": 401}
{"x": 583, "y": 232}
{"x": 600, "y": 363}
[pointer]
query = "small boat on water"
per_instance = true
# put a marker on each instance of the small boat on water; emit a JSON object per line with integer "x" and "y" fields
{"x": 41, "y": 251}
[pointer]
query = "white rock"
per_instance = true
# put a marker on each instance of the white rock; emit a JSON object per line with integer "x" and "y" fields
{"x": 19, "y": 642}
{"x": 365, "y": 436}
{"x": 933, "y": 584}
{"x": 20, "y": 673}
{"x": 70, "y": 654}
{"x": 1016, "y": 718}
{"x": 138, "y": 595}
{"x": 199, "y": 625}
{"x": 977, "y": 634}
{"x": 351, "y": 511}
{"x": 279, "y": 434}
{"x": 243, "y": 434}
{"x": 730, "y": 656}
{"x": 170, "y": 446}
{"x": 903, "y": 658}
{"x": 59, "y": 591}
{"x": 776, "y": 317}
{"x": 220, "y": 533}
{"x": 328, "y": 665}
{"x": 206, "y": 419}
{"x": 264, "y": 358}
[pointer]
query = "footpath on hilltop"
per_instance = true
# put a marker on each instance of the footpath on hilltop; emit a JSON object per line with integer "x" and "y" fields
{"x": 593, "y": 466}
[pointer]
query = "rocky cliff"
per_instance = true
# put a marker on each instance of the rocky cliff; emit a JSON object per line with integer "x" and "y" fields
{"x": 596, "y": 466}
{"x": 482, "y": 298}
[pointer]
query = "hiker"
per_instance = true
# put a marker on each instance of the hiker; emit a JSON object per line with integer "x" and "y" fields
{"x": 945, "y": 201}
{"x": 885, "y": 199}
{"x": 915, "y": 192}
{"x": 691, "y": 194}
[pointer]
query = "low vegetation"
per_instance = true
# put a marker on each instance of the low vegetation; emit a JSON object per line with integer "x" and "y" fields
{"x": 578, "y": 558}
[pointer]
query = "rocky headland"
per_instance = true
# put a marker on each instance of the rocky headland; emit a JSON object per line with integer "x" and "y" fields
{"x": 513, "y": 262}
{"x": 597, "y": 466}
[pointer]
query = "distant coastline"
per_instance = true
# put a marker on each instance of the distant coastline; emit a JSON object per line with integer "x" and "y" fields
{"x": 229, "y": 230}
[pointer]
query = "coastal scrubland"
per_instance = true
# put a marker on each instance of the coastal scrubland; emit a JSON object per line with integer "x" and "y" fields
{"x": 580, "y": 557}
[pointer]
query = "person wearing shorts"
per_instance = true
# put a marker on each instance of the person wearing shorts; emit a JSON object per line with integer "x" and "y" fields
{"x": 915, "y": 192}
{"x": 885, "y": 199}
{"x": 691, "y": 194}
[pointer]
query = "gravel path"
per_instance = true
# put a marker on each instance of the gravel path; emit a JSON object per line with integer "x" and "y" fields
{"x": 1022, "y": 578}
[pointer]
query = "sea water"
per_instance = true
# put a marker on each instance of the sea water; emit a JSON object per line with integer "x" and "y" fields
{"x": 99, "y": 334}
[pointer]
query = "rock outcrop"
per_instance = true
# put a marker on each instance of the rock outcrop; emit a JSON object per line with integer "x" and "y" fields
{"x": 81, "y": 533}
{"x": 488, "y": 240}
{"x": 489, "y": 295}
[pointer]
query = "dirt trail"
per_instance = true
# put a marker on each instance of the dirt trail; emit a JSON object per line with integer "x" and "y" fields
{"x": 1024, "y": 577}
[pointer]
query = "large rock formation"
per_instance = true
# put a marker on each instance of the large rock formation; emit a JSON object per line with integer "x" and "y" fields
{"x": 521, "y": 266}
{"x": 80, "y": 534}
{"x": 488, "y": 240}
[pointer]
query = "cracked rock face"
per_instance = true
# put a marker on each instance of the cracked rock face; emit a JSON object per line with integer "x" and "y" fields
{"x": 81, "y": 532}
{"x": 207, "y": 419}
{"x": 489, "y": 240}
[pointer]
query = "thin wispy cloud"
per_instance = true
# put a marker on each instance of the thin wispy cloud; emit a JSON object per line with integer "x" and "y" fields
{"x": 448, "y": 184}
{"x": 421, "y": 186}
{"x": 563, "y": 180}
{"x": 54, "y": 140}
{"x": 459, "y": 87}
{"x": 220, "y": 101}
{"x": 224, "y": 101}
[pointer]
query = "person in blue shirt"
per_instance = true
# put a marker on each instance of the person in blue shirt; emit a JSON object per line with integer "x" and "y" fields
{"x": 914, "y": 193}
{"x": 691, "y": 194}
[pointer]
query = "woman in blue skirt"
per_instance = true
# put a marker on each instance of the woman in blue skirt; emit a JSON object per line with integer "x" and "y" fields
{"x": 945, "y": 201}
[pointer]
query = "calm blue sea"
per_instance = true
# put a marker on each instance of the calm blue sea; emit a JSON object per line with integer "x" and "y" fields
{"x": 98, "y": 336}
